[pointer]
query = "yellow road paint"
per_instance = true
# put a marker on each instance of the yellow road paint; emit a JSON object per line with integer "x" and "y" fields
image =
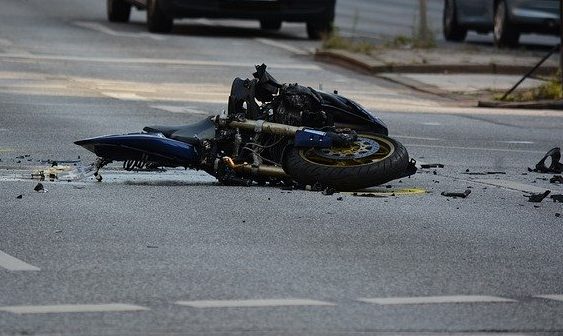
{"x": 385, "y": 192}
{"x": 5, "y": 150}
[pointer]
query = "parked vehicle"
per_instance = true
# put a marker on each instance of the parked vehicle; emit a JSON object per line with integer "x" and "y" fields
{"x": 317, "y": 14}
{"x": 272, "y": 133}
{"x": 507, "y": 19}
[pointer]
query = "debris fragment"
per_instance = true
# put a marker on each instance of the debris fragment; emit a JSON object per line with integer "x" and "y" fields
{"x": 59, "y": 231}
{"x": 39, "y": 188}
{"x": 457, "y": 194}
{"x": 484, "y": 173}
{"x": 152, "y": 246}
{"x": 19, "y": 197}
{"x": 537, "y": 198}
{"x": 554, "y": 166}
{"x": 329, "y": 191}
{"x": 557, "y": 214}
{"x": 340, "y": 198}
{"x": 369, "y": 195}
{"x": 556, "y": 179}
{"x": 431, "y": 165}
{"x": 557, "y": 198}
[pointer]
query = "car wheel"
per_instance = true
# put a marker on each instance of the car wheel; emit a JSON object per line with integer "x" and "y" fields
{"x": 118, "y": 10}
{"x": 270, "y": 24}
{"x": 317, "y": 29}
{"x": 452, "y": 30}
{"x": 504, "y": 32}
{"x": 157, "y": 20}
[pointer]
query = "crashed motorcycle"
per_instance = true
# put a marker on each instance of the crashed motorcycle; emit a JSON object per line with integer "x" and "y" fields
{"x": 271, "y": 133}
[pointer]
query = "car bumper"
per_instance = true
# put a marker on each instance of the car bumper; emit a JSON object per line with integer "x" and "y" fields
{"x": 535, "y": 12}
{"x": 285, "y": 10}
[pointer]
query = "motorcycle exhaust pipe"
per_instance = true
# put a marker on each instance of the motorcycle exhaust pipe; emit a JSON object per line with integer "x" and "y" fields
{"x": 261, "y": 170}
{"x": 261, "y": 126}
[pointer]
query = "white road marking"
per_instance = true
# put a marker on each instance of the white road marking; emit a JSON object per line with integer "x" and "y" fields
{"x": 476, "y": 148}
{"x": 512, "y": 185}
{"x": 416, "y": 138}
{"x": 14, "y": 264}
{"x": 72, "y": 308}
{"x": 431, "y": 123}
{"x": 180, "y": 109}
{"x": 154, "y": 61}
{"x": 557, "y": 297}
{"x": 435, "y": 300}
{"x": 124, "y": 96}
{"x": 252, "y": 303}
{"x": 106, "y": 30}
{"x": 283, "y": 46}
{"x": 517, "y": 142}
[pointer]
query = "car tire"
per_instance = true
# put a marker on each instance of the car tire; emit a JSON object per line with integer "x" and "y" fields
{"x": 504, "y": 32}
{"x": 118, "y": 10}
{"x": 317, "y": 29}
{"x": 451, "y": 28}
{"x": 157, "y": 20}
{"x": 270, "y": 25}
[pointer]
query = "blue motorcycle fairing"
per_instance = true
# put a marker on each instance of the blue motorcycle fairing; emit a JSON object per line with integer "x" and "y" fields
{"x": 149, "y": 147}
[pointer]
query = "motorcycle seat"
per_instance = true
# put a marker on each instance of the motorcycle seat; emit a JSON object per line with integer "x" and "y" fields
{"x": 191, "y": 134}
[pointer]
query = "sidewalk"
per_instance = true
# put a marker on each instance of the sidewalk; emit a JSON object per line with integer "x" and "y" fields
{"x": 463, "y": 73}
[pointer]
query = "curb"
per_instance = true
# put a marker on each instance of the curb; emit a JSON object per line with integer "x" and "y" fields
{"x": 369, "y": 65}
{"x": 539, "y": 105}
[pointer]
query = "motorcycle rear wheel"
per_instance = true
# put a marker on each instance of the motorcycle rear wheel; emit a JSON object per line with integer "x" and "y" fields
{"x": 359, "y": 166}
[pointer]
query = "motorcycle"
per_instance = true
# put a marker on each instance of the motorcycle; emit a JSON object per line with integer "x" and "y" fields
{"x": 271, "y": 133}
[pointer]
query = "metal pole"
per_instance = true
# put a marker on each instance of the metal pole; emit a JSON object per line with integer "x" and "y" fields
{"x": 423, "y": 27}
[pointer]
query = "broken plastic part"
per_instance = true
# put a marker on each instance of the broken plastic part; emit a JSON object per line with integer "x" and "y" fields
{"x": 555, "y": 166}
{"x": 537, "y": 198}
{"x": 457, "y": 194}
{"x": 557, "y": 198}
{"x": 431, "y": 165}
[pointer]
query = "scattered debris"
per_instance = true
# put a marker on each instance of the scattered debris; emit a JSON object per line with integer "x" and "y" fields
{"x": 557, "y": 198}
{"x": 152, "y": 246}
{"x": 40, "y": 188}
{"x": 537, "y": 198}
{"x": 340, "y": 198}
{"x": 431, "y": 165}
{"x": 484, "y": 173}
{"x": 557, "y": 214}
{"x": 59, "y": 231}
{"x": 554, "y": 166}
{"x": 556, "y": 179}
{"x": 457, "y": 194}
{"x": 329, "y": 191}
{"x": 370, "y": 195}
{"x": 19, "y": 197}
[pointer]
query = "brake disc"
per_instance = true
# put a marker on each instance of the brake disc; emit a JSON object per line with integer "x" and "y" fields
{"x": 360, "y": 149}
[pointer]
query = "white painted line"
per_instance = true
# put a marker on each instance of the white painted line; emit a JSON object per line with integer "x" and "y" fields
{"x": 73, "y": 308}
{"x": 417, "y": 138}
{"x": 106, "y": 30}
{"x": 516, "y": 142}
{"x": 124, "y": 96}
{"x": 512, "y": 185}
{"x": 280, "y": 45}
{"x": 155, "y": 61}
{"x": 14, "y": 264}
{"x": 431, "y": 123}
{"x": 252, "y": 303}
{"x": 435, "y": 300}
{"x": 476, "y": 148}
{"x": 180, "y": 109}
{"x": 556, "y": 297}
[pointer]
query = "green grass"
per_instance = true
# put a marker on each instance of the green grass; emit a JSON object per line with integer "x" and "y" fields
{"x": 550, "y": 90}
{"x": 335, "y": 41}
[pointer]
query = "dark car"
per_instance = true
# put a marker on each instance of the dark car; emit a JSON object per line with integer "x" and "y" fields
{"x": 507, "y": 19}
{"x": 317, "y": 14}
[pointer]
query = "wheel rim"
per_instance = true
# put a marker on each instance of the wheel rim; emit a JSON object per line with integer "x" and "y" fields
{"x": 499, "y": 21}
{"x": 368, "y": 149}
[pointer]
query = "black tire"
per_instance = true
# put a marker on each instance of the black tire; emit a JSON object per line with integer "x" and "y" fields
{"x": 451, "y": 28}
{"x": 365, "y": 169}
{"x": 157, "y": 20}
{"x": 504, "y": 32}
{"x": 118, "y": 10}
{"x": 319, "y": 29}
{"x": 270, "y": 25}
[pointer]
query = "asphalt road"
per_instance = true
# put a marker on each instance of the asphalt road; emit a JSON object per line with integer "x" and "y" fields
{"x": 176, "y": 253}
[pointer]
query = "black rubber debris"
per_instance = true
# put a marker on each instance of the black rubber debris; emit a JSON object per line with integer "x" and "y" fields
{"x": 39, "y": 187}
{"x": 557, "y": 214}
{"x": 556, "y": 179}
{"x": 431, "y": 165}
{"x": 340, "y": 198}
{"x": 19, "y": 197}
{"x": 537, "y": 198}
{"x": 555, "y": 166}
{"x": 369, "y": 195}
{"x": 457, "y": 194}
{"x": 557, "y": 198}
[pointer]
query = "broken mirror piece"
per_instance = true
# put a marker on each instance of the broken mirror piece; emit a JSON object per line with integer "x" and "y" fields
{"x": 550, "y": 162}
